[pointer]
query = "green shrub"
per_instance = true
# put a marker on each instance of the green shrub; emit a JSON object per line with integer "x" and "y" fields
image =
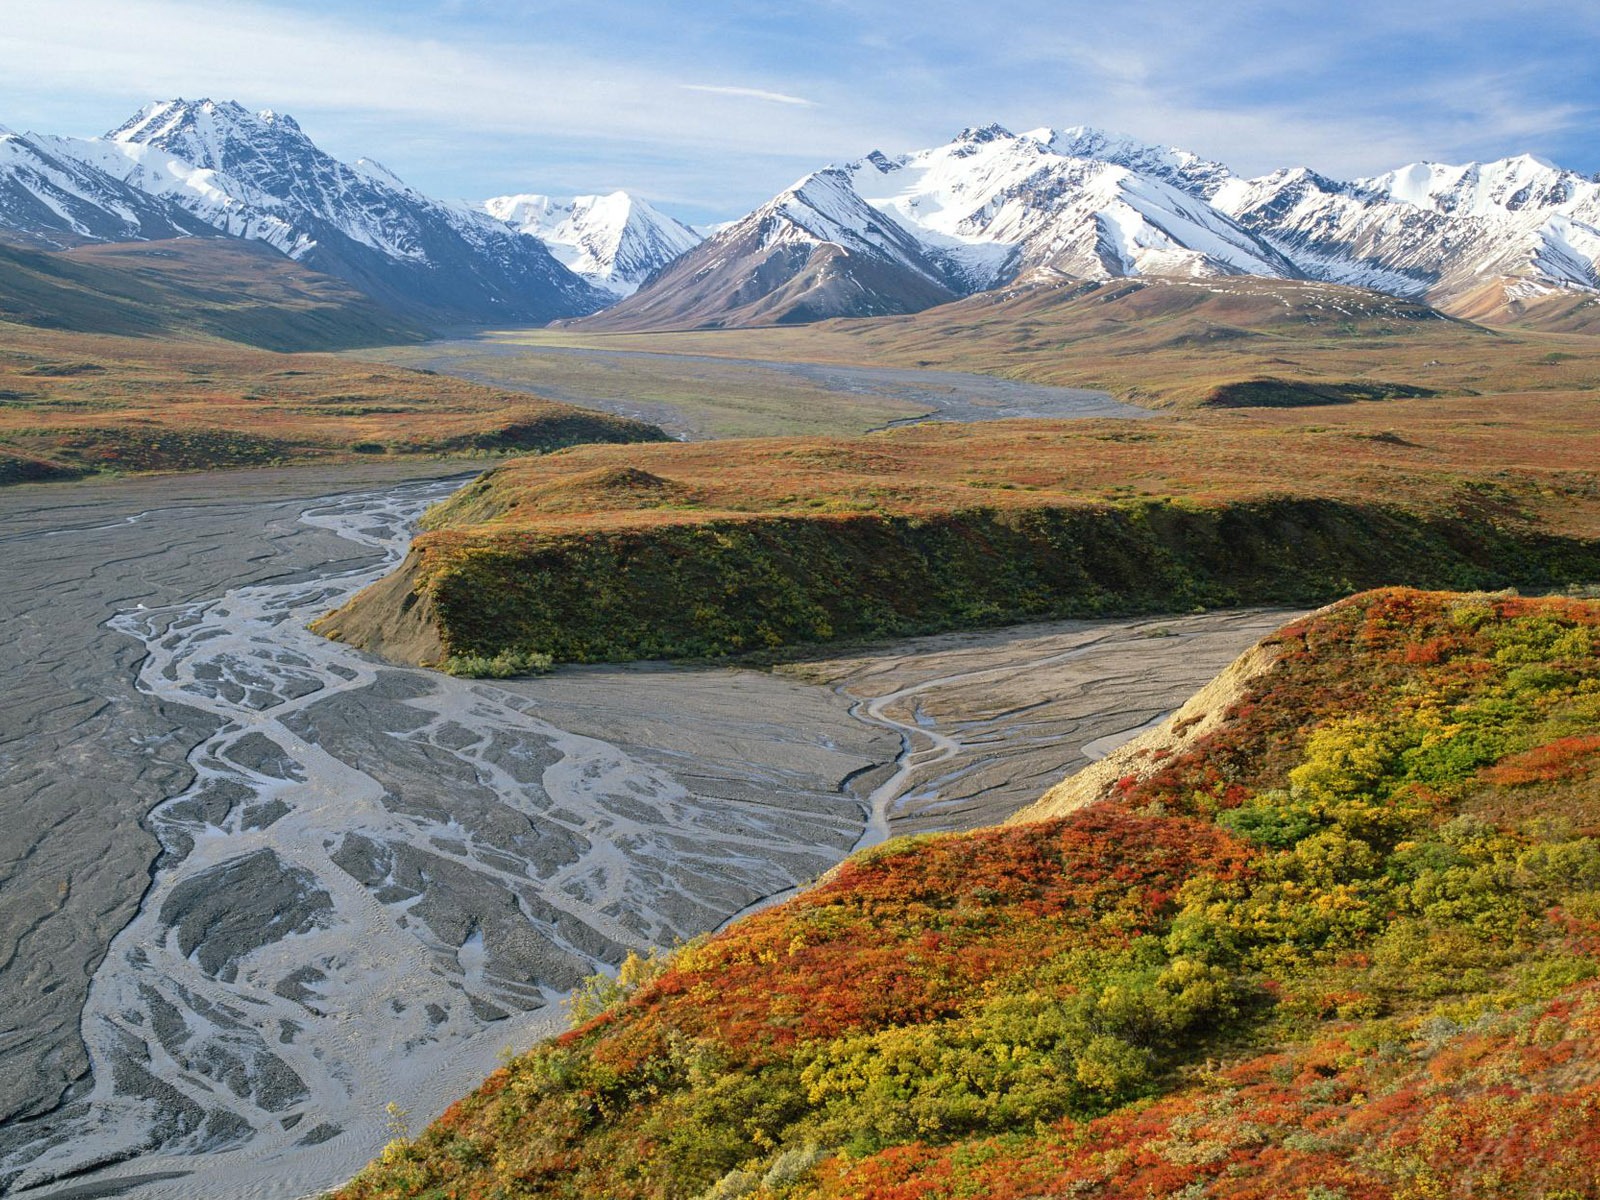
{"x": 505, "y": 665}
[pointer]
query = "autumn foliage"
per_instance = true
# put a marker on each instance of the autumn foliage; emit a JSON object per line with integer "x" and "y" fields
{"x": 1346, "y": 945}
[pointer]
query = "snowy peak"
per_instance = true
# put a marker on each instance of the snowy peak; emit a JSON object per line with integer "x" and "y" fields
{"x": 977, "y": 136}
{"x": 1171, "y": 164}
{"x": 825, "y": 207}
{"x": 256, "y": 175}
{"x": 1508, "y": 185}
{"x": 995, "y": 204}
{"x": 50, "y": 200}
{"x": 1430, "y": 230}
{"x": 616, "y": 241}
{"x": 882, "y": 235}
{"x": 815, "y": 250}
{"x": 215, "y": 136}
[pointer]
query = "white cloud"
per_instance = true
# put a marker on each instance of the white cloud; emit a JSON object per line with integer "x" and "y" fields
{"x": 261, "y": 54}
{"x": 749, "y": 93}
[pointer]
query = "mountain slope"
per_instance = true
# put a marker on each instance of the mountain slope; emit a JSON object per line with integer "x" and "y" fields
{"x": 1435, "y": 232}
{"x": 616, "y": 242}
{"x": 1347, "y": 936}
{"x": 1003, "y": 205}
{"x": 1516, "y": 240}
{"x": 257, "y": 176}
{"x": 1432, "y": 231}
{"x": 211, "y": 286}
{"x": 893, "y": 235}
{"x": 50, "y": 200}
{"x": 1181, "y": 168}
{"x": 816, "y": 250}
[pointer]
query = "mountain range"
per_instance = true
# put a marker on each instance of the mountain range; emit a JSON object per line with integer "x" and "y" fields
{"x": 182, "y": 168}
{"x": 880, "y": 235}
{"x": 994, "y": 209}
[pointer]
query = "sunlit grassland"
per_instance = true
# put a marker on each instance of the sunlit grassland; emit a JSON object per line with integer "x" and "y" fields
{"x": 1162, "y": 342}
{"x": 1344, "y": 944}
{"x": 711, "y": 548}
{"x": 74, "y": 404}
{"x": 1532, "y": 455}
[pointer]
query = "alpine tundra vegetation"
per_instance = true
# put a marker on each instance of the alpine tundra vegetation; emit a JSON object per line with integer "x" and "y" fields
{"x": 1347, "y": 937}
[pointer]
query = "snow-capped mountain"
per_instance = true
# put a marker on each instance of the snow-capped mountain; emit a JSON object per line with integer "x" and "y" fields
{"x": 888, "y": 235}
{"x": 878, "y": 235}
{"x": 51, "y": 201}
{"x": 1429, "y": 230}
{"x": 813, "y": 251}
{"x": 257, "y": 176}
{"x": 999, "y": 205}
{"x": 991, "y": 208}
{"x": 616, "y": 242}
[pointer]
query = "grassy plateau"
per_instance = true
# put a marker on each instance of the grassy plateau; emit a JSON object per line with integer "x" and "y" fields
{"x": 720, "y": 547}
{"x": 705, "y": 397}
{"x": 1169, "y": 342}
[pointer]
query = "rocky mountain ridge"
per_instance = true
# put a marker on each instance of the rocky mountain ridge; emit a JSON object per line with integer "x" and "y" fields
{"x": 186, "y": 167}
{"x": 992, "y": 208}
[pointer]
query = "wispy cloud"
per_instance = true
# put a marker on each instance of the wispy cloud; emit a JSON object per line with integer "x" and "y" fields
{"x": 477, "y": 97}
{"x": 749, "y": 94}
{"x": 362, "y": 89}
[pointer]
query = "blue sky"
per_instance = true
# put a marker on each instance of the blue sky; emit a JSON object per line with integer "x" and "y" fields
{"x": 708, "y": 108}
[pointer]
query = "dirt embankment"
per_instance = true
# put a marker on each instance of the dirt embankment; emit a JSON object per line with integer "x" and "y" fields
{"x": 1200, "y": 715}
{"x": 393, "y": 618}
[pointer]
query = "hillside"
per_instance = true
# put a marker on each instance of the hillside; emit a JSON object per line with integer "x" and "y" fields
{"x": 73, "y": 405}
{"x": 712, "y": 548}
{"x": 185, "y": 287}
{"x": 1174, "y": 343}
{"x": 1344, "y": 944}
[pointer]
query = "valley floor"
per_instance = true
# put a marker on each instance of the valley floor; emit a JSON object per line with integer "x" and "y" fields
{"x": 696, "y": 396}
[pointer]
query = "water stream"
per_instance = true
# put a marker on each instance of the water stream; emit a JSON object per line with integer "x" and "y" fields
{"x": 377, "y": 879}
